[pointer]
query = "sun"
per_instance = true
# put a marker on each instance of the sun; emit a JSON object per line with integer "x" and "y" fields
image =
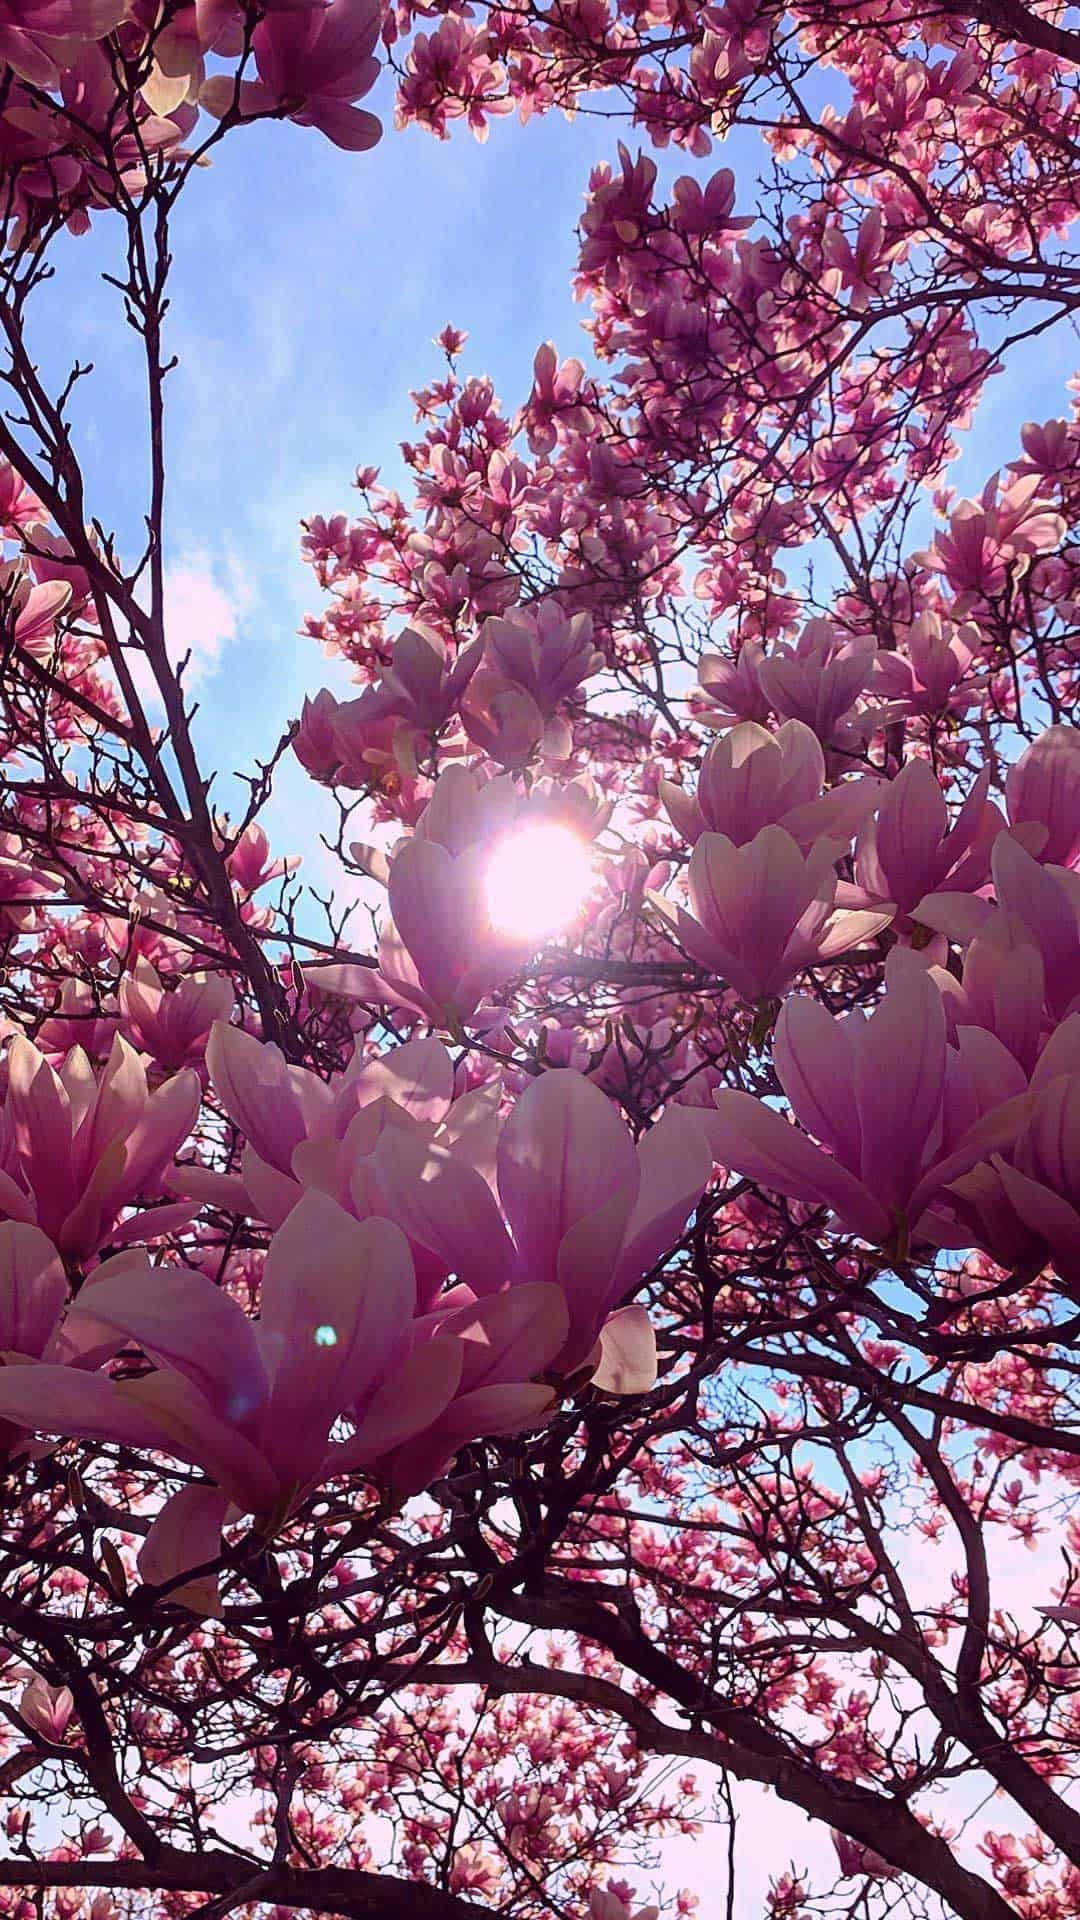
{"x": 537, "y": 880}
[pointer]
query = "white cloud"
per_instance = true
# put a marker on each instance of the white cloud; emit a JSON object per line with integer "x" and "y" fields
{"x": 205, "y": 603}
{"x": 201, "y": 616}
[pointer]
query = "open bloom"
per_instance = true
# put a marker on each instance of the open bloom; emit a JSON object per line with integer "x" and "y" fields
{"x": 173, "y": 1027}
{"x": 1022, "y": 1203}
{"x": 77, "y": 1149}
{"x": 33, "y": 1299}
{"x": 883, "y": 1157}
{"x": 762, "y": 913}
{"x": 910, "y": 849}
{"x": 543, "y": 652}
{"x": 751, "y": 778}
{"x": 422, "y": 685}
{"x": 578, "y": 1204}
{"x": 32, "y": 33}
{"x": 1045, "y": 898}
{"x": 819, "y": 679}
{"x": 252, "y": 1406}
{"x": 313, "y": 62}
{"x": 255, "y": 1405}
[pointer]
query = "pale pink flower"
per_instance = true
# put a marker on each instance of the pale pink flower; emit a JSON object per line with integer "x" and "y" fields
{"x": 752, "y": 778}
{"x": 46, "y": 1709}
{"x": 78, "y": 1148}
{"x": 762, "y": 913}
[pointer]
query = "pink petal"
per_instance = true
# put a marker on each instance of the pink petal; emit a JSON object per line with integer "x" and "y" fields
{"x": 185, "y": 1534}
{"x": 675, "y": 1162}
{"x": 181, "y": 1320}
{"x": 446, "y": 1206}
{"x": 563, "y": 1153}
{"x": 751, "y": 1139}
{"x": 627, "y": 1353}
{"x": 33, "y": 1288}
{"x": 814, "y": 1057}
{"x": 338, "y": 1296}
{"x": 899, "y": 1081}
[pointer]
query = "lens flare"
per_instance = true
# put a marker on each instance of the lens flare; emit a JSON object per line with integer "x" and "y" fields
{"x": 537, "y": 880}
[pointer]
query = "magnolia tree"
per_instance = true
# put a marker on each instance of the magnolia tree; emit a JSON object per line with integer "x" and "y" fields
{"x": 581, "y": 1323}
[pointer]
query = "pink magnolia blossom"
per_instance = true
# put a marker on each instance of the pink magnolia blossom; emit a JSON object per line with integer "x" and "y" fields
{"x": 762, "y": 913}
{"x": 1022, "y": 1203}
{"x": 819, "y": 679}
{"x": 172, "y": 1027}
{"x": 254, "y": 1407}
{"x": 503, "y": 720}
{"x": 734, "y": 687}
{"x": 301, "y": 1131}
{"x": 47, "y": 1709}
{"x": 578, "y": 1204}
{"x": 543, "y": 651}
{"x": 990, "y": 538}
{"x": 313, "y": 63}
{"x": 251, "y": 864}
{"x": 21, "y": 884}
{"x": 1003, "y": 987}
{"x": 881, "y": 1162}
{"x": 752, "y": 779}
{"x": 314, "y": 741}
{"x": 31, "y": 29}
{"x": 424, "y": 683}
{"x": 930, "y": 675}
{"x": 555, "y": 396}
{"x": 1047, "y": 901}
{"x": 77, "y": 1149}
{"x": 442, "y": 921}
{"x": 910, "y": 850}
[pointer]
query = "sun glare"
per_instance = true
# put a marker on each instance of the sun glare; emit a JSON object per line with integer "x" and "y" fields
{"x": 537, "y": 880}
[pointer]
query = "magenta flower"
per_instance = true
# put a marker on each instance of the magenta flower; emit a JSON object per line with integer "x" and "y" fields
{"x": 762, "y": 913}
{"x": 423, "y": 684}
{"x": 47, "y": 1710}
{"x": 543, "y": 651}
{"x": 441, "y": 918}
{"x": 76, "y": 1150}
{"x": 1003, "y": 987}
{"x": 313, "y": 63}
{"x": 751, "y": 778}
{"x": 734, "y": 686}
{"x": 503, "y": 1342}
{"x": 503, "y": 720}
{"x": 1022, "y": 1204}
{"x": 31, "y": 29}
{"x": 577, "y": 1203}
{"x": 819, "y": 679}
{"x": 1045, "y": 899}
{"x": 931, "y": 674}
{"x": 301, "y": 1131}
{"x": 173, "y": 1027}
{"x": 881, "y": 1160}
{"x": 910, "y": 850}
{"x": 252, "y": 1406}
